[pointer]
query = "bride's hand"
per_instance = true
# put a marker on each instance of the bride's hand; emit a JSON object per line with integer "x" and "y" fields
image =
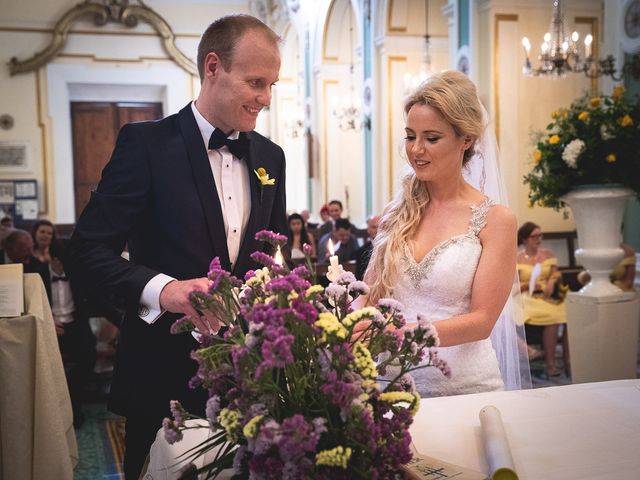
{"x": 359, "y": 330}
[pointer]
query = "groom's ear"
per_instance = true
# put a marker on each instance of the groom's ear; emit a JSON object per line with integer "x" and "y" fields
{"x": 212, "y": 65}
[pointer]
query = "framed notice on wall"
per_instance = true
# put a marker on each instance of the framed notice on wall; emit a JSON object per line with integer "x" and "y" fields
{"x": 19, "y": 199}
{"x": 15, "y": 156}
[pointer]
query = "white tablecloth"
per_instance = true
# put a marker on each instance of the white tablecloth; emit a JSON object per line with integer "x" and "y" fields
{"x": 581, "y": 432}
{"x": 37, "y": 439}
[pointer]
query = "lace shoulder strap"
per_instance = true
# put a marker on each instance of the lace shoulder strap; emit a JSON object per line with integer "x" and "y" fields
{"x": 479, "y": 216}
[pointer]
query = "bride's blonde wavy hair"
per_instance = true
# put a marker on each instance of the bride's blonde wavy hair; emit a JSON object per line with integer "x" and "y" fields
{"x": 455, "y": 96}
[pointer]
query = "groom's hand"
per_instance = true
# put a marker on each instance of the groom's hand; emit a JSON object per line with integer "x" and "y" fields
{"x": 175, "y": 298}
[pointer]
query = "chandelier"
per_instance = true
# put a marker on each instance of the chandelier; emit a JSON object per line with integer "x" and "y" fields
{"x": 560, "y": 53}
{"x": 347, "y": 111}
{"x": 411, "y": 81}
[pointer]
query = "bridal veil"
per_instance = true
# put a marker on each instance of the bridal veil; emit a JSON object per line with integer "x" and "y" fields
{"x": 508, "y": 335}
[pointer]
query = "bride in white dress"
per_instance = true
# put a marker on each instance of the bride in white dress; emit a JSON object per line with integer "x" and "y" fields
{"x": 444, "y": 249}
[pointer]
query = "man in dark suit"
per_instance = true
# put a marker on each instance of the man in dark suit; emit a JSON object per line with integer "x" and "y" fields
{"x": 18, "y": 248}
{"x": 363, "y": 254}
{"x": 178, "y": 193}
{"x": 71, "y": 312}
{"x": 344, "y": 243}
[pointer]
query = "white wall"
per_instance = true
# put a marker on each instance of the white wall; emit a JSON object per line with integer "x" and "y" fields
{"x": 92, "y": 66}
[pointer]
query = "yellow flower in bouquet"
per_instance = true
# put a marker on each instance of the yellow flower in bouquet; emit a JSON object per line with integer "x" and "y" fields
{"x": 625, "y": 121}
{"x": 537, "y": 156}
{"x": 593, "y": 142}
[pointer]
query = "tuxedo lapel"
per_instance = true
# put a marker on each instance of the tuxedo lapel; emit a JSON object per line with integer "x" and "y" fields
{"x": 205, "y": 184}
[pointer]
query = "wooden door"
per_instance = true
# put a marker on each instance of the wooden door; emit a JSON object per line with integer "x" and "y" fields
{"x": 95, "y": 129}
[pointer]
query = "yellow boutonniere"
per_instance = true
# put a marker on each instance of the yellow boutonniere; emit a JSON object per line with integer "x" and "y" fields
{"x": 263, "y": 176}
{"x": 611, "y": 158}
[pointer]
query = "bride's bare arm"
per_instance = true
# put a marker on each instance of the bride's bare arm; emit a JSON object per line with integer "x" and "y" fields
{"x": 491, "y": 285}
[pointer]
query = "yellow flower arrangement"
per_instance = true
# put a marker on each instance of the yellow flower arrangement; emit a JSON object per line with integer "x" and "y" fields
{"x": 594, "y": 141}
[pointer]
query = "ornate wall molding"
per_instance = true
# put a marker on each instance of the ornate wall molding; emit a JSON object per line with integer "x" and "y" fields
{"x": 116, "y": 11}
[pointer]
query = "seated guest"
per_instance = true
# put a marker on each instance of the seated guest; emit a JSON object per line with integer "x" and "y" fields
{"x": 364, "y": 252}
{"x": 18, "y": 248}
{"x": 298, "y": 236}
{"x": 75, "y": 338}
{"x": 43, "y": 233}
{"x": 344, "y": 243}
{"x": 335, "y": 212}
{"x": 306, "y": 214}
{"x": 540, "y": 284}
{"x": 324, "y": 214}
{"x": 623, "y": 274}
{"x": 6, "y": 225}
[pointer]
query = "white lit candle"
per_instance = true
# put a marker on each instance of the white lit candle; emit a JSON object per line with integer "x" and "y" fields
{"x": 587, "y": 46}
{"x": 335, "y": 269}
{"x": 527, "y": 45}
{"x": 278, "y": 259}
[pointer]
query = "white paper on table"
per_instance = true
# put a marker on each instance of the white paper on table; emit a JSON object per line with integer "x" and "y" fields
{"x": 11, "y": 290}
{"x": 535, "y": 273}
{"x": 496, "y": 445}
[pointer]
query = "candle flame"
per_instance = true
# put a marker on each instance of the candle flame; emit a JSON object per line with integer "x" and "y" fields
{"x": 278, "y": 259}
{"x": 330, "y": 247}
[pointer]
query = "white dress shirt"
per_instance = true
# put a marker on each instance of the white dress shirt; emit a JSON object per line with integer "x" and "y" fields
{"x": 231, "y": 176}
{"x": 62, "y": 306}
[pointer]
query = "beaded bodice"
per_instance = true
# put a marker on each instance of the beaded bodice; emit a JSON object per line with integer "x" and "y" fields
{"x": 449, "y": 253}
{"x": 439, "y": 287}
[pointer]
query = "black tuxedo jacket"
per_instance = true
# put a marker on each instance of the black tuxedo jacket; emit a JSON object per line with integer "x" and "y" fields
{"x": 158, "y": 195}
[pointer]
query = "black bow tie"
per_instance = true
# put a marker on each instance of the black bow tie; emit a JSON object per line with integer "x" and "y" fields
{"x": 59, "y": 279}
{"x": 238, "y": 148}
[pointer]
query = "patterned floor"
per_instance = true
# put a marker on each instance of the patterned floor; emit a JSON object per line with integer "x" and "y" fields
{"x": 100, "y": 444}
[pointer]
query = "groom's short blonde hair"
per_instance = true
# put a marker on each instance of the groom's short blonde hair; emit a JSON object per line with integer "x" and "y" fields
{"x": 222, "y": 36}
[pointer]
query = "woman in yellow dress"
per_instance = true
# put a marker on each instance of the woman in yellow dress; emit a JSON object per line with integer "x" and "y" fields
{"x": 541, "y": 304}
{"x": 623, "y": 274}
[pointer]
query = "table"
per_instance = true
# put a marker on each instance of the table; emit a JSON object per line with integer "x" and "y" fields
{"x": 573, "y": 432}
{"x": 37, "y": 439}
{"x": 583, "y": 431}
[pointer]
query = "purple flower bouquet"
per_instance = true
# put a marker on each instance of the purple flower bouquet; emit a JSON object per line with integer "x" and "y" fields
{"x": 301, "y": 385}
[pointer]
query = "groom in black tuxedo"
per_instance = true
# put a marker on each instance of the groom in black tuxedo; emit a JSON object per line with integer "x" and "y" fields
{"x": 179, "y": 192}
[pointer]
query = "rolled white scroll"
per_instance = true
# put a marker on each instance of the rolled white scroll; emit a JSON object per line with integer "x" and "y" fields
{"x": 496, "y": 446}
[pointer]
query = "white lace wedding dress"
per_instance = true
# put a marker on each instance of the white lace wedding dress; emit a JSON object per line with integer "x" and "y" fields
{"x": 439, "y": 287}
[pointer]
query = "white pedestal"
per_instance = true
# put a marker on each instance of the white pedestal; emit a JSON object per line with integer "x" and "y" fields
{"x": 603, "y": 336}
